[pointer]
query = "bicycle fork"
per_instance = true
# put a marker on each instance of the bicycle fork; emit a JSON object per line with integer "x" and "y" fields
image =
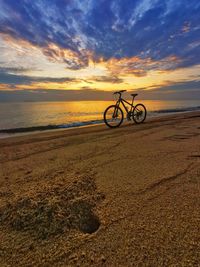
{"x": 115, "y": 113}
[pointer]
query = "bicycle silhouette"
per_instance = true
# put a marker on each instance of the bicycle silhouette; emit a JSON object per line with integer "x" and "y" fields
{"x": 114, "y": 116}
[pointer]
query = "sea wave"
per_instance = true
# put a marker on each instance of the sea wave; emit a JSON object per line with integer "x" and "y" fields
{"x": 49, "y": 127}
{"x": 176, "y": 110}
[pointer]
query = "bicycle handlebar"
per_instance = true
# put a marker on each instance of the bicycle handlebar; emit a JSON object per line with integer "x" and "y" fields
{"x": 119, "y": 92}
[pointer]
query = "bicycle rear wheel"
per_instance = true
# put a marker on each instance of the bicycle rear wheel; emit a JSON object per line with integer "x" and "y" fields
{"x": 113, "y": 116}
{"x": 139, "y": 113}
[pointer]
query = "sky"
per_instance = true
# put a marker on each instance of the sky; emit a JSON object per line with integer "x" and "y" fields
{"x": 84, "y": 49}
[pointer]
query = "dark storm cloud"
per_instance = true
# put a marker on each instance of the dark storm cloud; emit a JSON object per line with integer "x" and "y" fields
{"x": 115, "y": 28}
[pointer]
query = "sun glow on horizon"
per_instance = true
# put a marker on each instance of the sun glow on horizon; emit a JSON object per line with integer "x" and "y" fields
{"x": 108, "y": 75}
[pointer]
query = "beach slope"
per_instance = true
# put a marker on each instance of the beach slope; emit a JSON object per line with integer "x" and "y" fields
{"x": 101, "y": 197}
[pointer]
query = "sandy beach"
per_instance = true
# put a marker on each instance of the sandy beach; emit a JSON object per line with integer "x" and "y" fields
{"x": 101, "y": 197}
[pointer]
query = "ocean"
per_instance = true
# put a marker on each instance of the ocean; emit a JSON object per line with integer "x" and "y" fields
{"x": 31, "y": 116}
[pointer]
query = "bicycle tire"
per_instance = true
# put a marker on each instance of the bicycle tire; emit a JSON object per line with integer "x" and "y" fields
{"x": 135, "y": 112}
{"x": 107, "y": 121}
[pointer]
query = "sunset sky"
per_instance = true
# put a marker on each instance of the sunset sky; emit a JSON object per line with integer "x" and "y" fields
{"x": 86, "y": 47}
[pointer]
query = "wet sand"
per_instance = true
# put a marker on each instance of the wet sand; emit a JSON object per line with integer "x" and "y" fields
{"x": 101, "y": 197}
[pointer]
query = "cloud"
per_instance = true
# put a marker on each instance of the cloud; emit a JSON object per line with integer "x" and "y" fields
{"x": 107, "y": 79}
{"x": 76, "y": 31}
{"x": 185, "y": 90}
{"x": 140, "y": 67}
{"x": 72, "y": 60}
{"x": 53, "y": 95}
{"x": 13, "y": 79}
{"x": 14, "y": 70}
{"x": 15, "y": 76}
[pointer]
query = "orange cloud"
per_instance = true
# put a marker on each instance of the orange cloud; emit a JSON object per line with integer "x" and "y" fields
{"x": 139, "y": 67}
{"x": 73, "y": 60}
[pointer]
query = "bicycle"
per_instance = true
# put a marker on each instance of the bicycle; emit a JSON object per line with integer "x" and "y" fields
{"x": 114, "y": 116}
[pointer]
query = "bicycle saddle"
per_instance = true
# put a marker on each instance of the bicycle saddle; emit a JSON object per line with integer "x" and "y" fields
{"x": 134, "y": 95}
{"x": 119, "y": 92}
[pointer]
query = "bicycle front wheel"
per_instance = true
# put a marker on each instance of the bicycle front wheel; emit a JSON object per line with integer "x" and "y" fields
{"x": 139, "y": 113}
{"x": 113, "y": 116}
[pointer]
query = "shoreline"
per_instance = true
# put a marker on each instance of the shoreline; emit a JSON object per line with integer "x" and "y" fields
{"x": 26, "y": 131}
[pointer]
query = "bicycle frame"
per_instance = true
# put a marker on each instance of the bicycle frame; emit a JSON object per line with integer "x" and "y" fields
{"x": 123, "y": 101}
